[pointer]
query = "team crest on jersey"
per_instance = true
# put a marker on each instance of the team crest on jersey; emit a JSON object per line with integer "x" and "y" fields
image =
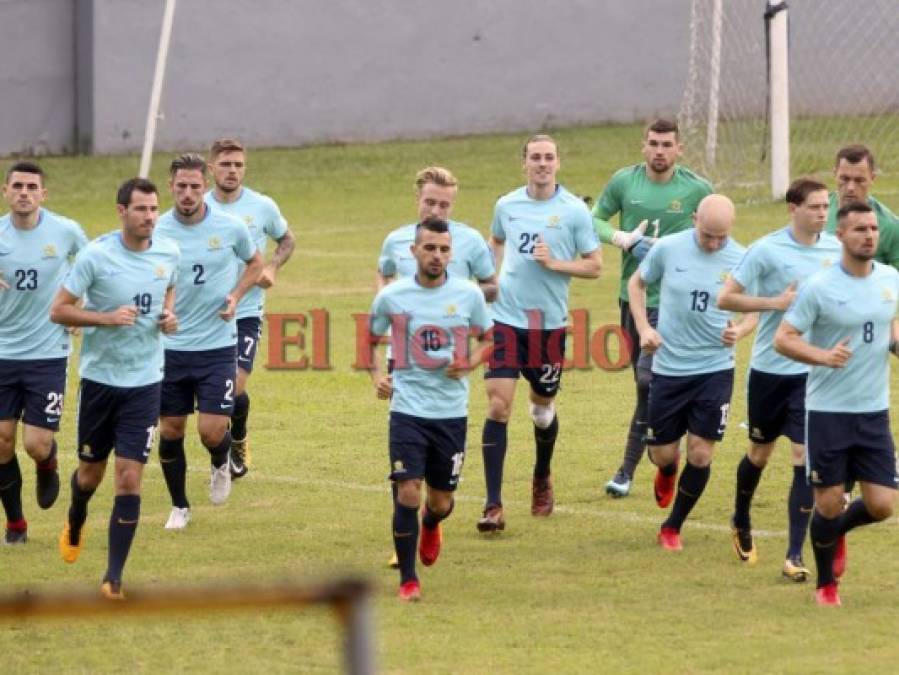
{"x": 554, "y": 221}
{"x": 248, "y": 220}
{"x": 49, "y": 251}
{"x": 675, "y": 206}
{"x": 451, "y": 311}
{"x": 827, "y": 262}
{"x": 723, "y": 276}
{"x": 214, "y": 243}
{"x": 887, "y": 294}
{"x": 160, "y": 272}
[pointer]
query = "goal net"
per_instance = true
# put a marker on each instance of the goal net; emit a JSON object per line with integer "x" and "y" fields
{"x": 843, "y": 87}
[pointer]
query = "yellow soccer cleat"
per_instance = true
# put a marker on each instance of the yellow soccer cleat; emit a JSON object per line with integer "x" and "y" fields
{"x": 744, "y": 545}
{"x": 795, "y": 570}
{"x": 67, "y": 549}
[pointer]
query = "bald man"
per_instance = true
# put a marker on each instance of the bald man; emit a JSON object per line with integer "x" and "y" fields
{"x": 693, "y": 347}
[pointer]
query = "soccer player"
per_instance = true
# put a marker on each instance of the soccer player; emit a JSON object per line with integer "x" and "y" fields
{"x": 126, "y": 280}
{"x": 693, "y": 367}
{"x": 436, "y": 189}
{"x": 766, "y": 281}
{"x": 843, "y": 324}
{"x": 35, "y": 247}
{"x": 228, "y": 165}
{"x": 431, "y": 315}
{"x": 663, "y": 195}
{"x": 201, "y": 358}
{"x": 538, "y": 231}
{"x": 855, "y": 172}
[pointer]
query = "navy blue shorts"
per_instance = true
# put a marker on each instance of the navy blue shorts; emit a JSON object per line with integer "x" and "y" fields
{"x": 695, "y": 403}
{"x": 776, "y": 406}
{"x": 535, "y": 354}
{"x": 33, "y": 390}
{"x": 249, "y": 332}
{"x": 433, "y": 449}
{"x": 208, "y": 377}
{"x": 639, "y": 358}
{"x": 844, "y": 447}
{"x": 123, "y": 418}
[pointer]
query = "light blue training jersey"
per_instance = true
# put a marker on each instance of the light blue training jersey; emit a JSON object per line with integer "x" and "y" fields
{"x": 770, "y": 265}
{"x": 211, "y": 252}
{"x": 436, "y": 320}
{"x": 471, "y": 255}
{"x": 108, "y": 275}
{"x": 565, "y": 224}
{"x": 690, "y": 322}
{"x": 835, "y": 305}
{"x": 264, "y": 220}
{"x": 33, "y": 264}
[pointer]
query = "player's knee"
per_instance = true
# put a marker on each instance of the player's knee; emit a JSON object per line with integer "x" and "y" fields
{"x": 699, "y": 452}
{"x": 760, "y": 453}
{"x": 212, "y": 437}
{"x": 7, "y": 448}
{"x": 499, "y": 409}
{"x": 541, "y": 414}
{"x": 90, "y": 474}
{"x": 829, "y": 502}
{"x": 127, "y": 481}
{"x": 408, "y": 493}
{"x": 881, "y": 508}
{"x": 172, "y": 428}
{"x": 38, "y": 447}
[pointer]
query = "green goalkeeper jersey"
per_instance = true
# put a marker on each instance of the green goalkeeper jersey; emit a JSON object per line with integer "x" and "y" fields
{"x": 670, "y": 206}
{"x": 887, "y": 224}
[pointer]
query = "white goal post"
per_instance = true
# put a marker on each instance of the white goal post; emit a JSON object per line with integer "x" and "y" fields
{"x": 775, "y": 87}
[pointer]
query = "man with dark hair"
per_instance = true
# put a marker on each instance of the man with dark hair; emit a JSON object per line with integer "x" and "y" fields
{"x": 693, "y": 368}
{"x": 855, "y": 171}
{"x": 228, "y": 164}
{"x": 662, "y": 195}
{"x": 127, "y": 282}
{"x": 201, "y": 358}
{"x": 844, "y": 326}
{"x": 435, "y": 191}
{"x": 36, "y": 246}
{"x": 767, "y": 281}
{"x": 432, "y": 314}
{"x": 550, "y": 240}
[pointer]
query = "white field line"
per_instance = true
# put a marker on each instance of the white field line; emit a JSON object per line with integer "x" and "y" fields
{"x": 602, "y": 514}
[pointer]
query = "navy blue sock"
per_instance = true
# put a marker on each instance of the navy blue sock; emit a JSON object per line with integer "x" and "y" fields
{"x": 239, "y": 416}
{"x": 799, "y": 506}
{"x": 855, "y": 515}
{"x": 11, "y": 490}
{"x": 122, "y": 526}
{"x": 219, "y": 453}
{"x": 431, "y": 520}
{"x": 405, "y": 539}
{"x": 494, "y": 451}
{"x": 174, "y": 470}
{"x": 690, "y": 486}
{"x": 748, "y": 475}
{"x": 824, "y": 533}
{"x": 78, "y": 509}
{"x": 545, "y": 440}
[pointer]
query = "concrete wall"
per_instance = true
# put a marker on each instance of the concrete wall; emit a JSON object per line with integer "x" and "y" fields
{"x": 289, "y": 72}
{"x": 37, "y": 76}
{"x": 76, "y": 73}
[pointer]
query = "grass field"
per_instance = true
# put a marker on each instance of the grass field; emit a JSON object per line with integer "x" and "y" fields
{"x": 584, "y": 591}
